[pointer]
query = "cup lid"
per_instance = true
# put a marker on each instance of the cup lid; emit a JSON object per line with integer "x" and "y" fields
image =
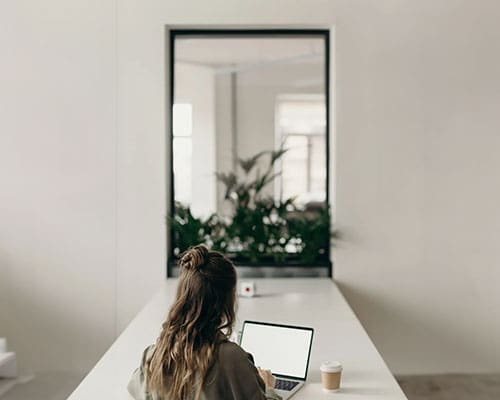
{"x": 331, "y": 366}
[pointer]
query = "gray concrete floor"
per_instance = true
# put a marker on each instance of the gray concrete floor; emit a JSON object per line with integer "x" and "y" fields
{"x": 45, "y": 386}
{"x": 58, "y": 386}
{"x": 451, "y": 387}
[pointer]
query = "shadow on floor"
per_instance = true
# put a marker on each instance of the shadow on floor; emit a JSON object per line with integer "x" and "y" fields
{"x": 46, "y": 386}
{"x": 451, "y": 387}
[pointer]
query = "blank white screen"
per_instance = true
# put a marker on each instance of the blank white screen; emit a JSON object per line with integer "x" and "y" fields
{"x": 282, "y": 350}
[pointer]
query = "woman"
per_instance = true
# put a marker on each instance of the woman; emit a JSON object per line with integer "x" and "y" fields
{"x": 193, "y": 358}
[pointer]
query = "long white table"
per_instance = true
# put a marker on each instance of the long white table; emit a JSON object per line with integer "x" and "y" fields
{"x": 313, "y": 302}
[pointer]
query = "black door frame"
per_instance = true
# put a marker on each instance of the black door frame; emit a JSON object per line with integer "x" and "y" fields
{"x": 172, "y": 35}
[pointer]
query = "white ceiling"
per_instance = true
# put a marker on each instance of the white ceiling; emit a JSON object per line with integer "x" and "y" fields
{"x": 223, "y": 52}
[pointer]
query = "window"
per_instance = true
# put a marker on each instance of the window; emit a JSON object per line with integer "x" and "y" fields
{"x": 300, "y": 128}
{"x": 239, "y": 97}
{"x": 182, "y": 146}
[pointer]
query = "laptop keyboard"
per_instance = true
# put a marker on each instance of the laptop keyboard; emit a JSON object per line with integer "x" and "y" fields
{"x": 283, "y": 384}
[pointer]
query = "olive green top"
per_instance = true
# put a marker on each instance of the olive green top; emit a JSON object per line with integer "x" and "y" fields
{"x": 233, "y": 376}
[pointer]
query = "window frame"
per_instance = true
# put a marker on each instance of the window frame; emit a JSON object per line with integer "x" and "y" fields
{"x": 174, "y": 33}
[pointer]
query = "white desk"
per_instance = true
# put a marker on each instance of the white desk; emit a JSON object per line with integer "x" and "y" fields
{"x": 318, "y": 303}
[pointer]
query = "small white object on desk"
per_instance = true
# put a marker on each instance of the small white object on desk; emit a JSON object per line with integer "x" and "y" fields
{"x": 248, "y": 289}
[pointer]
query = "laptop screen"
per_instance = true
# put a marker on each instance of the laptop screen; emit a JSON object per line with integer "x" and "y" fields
{"x": 282, "y": 349}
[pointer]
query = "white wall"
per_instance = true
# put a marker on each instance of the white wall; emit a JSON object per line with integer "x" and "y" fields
{"x": 224, "y": 137}
{"x": 82, "y": 239}
{"x": 57, "y": 182}
{"x": 418, "y": 140}
{"x": 256, "y": 95}
{"x": 195, "y": 85}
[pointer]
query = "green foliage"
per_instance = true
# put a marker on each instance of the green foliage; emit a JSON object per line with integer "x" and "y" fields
{"x": 260, "y": 230}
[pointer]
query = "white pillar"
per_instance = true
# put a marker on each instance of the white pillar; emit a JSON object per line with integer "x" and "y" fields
{"x": 3, "y": 345}
{"x": 8, "y": 365}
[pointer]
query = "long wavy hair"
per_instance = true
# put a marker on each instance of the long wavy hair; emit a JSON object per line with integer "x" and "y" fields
{"x": 201, "y": 317}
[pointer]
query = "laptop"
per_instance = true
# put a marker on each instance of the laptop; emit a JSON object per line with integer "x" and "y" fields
{"x": 284, "y": 349}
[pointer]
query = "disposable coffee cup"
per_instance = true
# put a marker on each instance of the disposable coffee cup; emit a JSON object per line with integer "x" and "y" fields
{"x": 330, "y": 375}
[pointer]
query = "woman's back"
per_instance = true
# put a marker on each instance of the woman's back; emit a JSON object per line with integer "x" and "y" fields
{"x": 192, "y": 358}
{"x": 232, "y": 376}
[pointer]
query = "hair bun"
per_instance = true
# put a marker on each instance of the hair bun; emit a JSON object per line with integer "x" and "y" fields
{"x": 195, "y": 258}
